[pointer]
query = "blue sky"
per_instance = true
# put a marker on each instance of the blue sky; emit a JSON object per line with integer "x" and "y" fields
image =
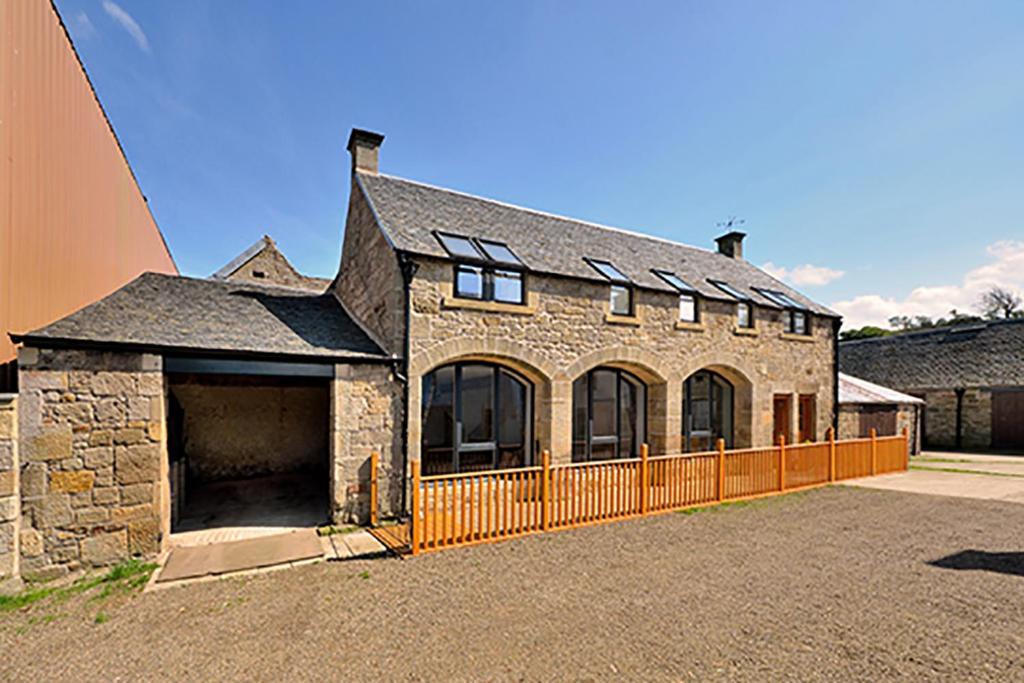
{"x": 874, "y": 149}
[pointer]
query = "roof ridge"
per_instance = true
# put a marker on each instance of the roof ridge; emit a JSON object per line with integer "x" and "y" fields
{"x": 548, "y": 214}
{"x": 945, "y": 329}
{"x": 232, "y": 283}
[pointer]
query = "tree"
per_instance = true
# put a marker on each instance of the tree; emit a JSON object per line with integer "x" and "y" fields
{"x": 866, "y": 332}
{"x": 998, "y": 302}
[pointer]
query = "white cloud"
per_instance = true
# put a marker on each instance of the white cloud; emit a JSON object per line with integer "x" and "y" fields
{"x": 127, "y": 23}
{"x": 803, "y": 276}
{"x": 1006, "y": 269}
{"x": 83, "y": 26}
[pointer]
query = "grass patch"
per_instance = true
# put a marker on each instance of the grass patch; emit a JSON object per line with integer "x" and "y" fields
{"x": 123, "y": 578}
{"x": 363, "y": 575}
{"x": 101, "y": 618}
{"x": 960, "y": 470}
{"x": 330, "y": 530}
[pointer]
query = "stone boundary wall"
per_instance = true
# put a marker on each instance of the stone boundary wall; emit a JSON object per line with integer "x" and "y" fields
{"x": 10, "y": 506}
{"x": 92, "y": 450}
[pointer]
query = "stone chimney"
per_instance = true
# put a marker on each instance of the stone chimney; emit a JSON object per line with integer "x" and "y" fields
{"x": 363, "y": 145}
{"x": 731, "y": 244}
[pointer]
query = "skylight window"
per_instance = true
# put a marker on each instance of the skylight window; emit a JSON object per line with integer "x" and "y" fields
{"x": 674, "y": 280}
{"x": 781, "y": 299}
{"x": 498, "y": 251}
{"x": 608, "y": 270}
{"x": 730, "y": 290}
{"x": 459, "y": 247}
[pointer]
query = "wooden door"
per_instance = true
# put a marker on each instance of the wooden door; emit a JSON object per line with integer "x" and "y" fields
{"x": 882, "y": 418}
{"x": 807, "y": 427}
{"x": 1008, "y": 419}
{"x": 781, "y": 409}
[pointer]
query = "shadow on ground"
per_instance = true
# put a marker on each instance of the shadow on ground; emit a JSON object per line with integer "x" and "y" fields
{"x": 1002, "y": 563}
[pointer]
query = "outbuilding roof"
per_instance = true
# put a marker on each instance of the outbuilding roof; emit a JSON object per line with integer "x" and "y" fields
{"x": 856, "y": 390}
{"x": 411, "y": 213}
{"x": 174, "y": 313}
{"x": 984, "y": 354}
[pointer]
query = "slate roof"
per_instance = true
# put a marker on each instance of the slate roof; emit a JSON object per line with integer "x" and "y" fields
{"x": 409, "y": 212}
{"x": 167, "y": 313}
{"x": 978, "y": 355}
{"x": 856, "y": 390}
{"x": 254, "y": 250}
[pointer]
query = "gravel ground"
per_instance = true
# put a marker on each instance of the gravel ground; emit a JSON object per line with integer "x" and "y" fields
{"x": 834, "y": 584}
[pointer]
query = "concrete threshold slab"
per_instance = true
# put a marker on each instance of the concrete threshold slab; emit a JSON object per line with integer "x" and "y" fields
{"x": 235, "y": 556}
{"x": 353, "y": 546}
{"x": 953, "y": 484}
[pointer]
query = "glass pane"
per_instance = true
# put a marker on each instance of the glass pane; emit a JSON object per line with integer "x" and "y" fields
{"x": 438, "y": 421}
{"x": 508, "y": 287}
{"x": 512, "y": 402}
{"x": 799, "y": 322}
{"x": 620, "y": 300}
{"x": 476, "y": 460}
{"x": 687, "y": 309}
{"x": 476, "y": 402}
{"x": 496, "y": 251}
{"x": 743, "y": 315}
{"x": 603, "y": 450}
{"x": 627, "y": 418}
{"x": 469, "y": 282}
{"x": 459, "y": 246}
{"x": 699, "y": 444}
{"x": 700, "y": 410}
{"x": 721, "y": 410}
{"x": 609, "y": 271}
{"x": 674, "y": 280}
{"x": 579, "y": 419}
{"x": 729, "y": 289}
{"x": 602, "y": 397}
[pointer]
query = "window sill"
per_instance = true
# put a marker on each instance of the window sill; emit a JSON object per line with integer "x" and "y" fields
{"x": 613, "y": 319}
{"x": 746, "y": 331}
{"x": 492, "y": 306}
{"x": 789, "y": 336}
{"x": 690, "y": 327}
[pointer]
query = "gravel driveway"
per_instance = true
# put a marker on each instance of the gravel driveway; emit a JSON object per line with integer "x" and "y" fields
{"x": 833, "y": 584}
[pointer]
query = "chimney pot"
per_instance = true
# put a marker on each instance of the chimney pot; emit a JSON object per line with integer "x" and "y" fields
{"x": 364, "y": 145}
{"x": 731, "y": 244}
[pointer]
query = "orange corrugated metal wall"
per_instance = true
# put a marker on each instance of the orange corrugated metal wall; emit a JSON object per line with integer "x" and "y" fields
{"x": 74, "y": 225}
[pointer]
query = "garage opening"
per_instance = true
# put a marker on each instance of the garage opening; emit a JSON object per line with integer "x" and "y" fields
{"x": 248, "y": 455}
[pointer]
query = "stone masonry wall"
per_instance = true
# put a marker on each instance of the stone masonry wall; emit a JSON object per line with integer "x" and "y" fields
{"x": 369, "y": 283}
{"x": 91, "y": 436}
{"x": 10, "y": 506}
{"x": 366, "y": 416}
{"x": 940, "y": 419}
{"x": 270, "y": 267}
{"x": 565, "y": 330}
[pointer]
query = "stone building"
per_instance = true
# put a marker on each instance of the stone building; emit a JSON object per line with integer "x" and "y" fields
{"x": 263, "y": 263}
{"x": 971, "y": 378}
{"x": 460, "y": 331}
{"x": 864, "y": 406}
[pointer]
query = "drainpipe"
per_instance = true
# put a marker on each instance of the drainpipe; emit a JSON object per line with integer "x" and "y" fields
{"x": 959, "y": 418}
{"x": 408, "y": 268}
{"x": 836, "y": 324}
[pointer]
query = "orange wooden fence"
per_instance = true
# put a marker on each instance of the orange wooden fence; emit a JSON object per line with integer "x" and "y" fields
{"x": 464, "y": 509}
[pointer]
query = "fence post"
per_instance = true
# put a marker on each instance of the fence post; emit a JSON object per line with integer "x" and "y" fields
{"x": 545, "y": 491}
{"x": 721, "y": 470}
{"x": 374, "y": 457}
{"x": 644, "y": 479}
{"x": 906, "y": 447}
{"x": 782, "y": 462}
{"x": 831, "y": 454}
{"x": 414, "y": 520}
{"x": 874, "y": 451}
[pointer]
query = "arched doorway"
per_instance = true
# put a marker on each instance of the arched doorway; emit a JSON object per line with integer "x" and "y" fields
{"x": 609, "y": 415}
{"x": 476, "y": 416}
{"x": 708, "y": 411}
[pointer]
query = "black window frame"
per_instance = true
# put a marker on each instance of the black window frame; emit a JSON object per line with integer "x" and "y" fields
{"x": 641, "y": 428}
{"x": 621, "y": 281}
{"x": 791, "y": 314}
{"x": 791, "y": 309}
{"x": 488, "y": 267}
{"x": 686, "y": 290}
{"x": 741, "y": 300}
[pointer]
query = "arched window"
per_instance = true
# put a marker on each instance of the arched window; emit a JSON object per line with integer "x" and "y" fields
{"x": 476, "y": 416}
{"x": 608, "y": 415}
{"x": 707, "y": 411}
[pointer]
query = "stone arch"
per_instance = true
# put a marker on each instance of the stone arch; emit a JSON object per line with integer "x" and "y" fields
{"x": 645, "y": 365}
{"x": 740, "y": 376}
{"x": 514, "y": 355}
